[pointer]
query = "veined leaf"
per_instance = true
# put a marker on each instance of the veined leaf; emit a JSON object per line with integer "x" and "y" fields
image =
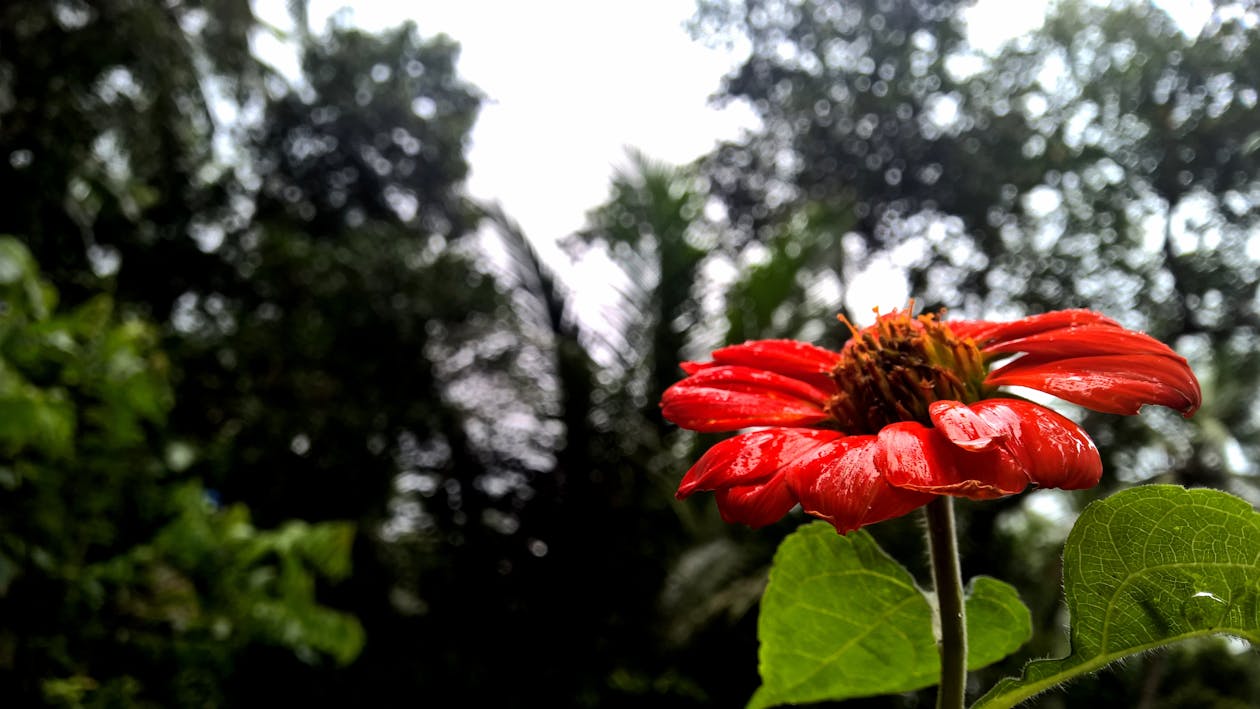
{"x": 1147, "y": 567}
{"x": 841, "y": 619}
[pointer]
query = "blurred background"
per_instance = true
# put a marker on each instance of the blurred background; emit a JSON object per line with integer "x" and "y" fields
{"x": 289, "y": 414}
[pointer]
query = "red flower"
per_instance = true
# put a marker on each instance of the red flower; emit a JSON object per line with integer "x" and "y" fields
{"x": 909, "y": 409}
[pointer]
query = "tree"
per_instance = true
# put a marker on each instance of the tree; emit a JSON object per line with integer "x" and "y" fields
{"x": 108, "y": 129}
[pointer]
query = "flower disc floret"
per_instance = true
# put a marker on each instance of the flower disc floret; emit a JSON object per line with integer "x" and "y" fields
{"x": 896, "y": 369}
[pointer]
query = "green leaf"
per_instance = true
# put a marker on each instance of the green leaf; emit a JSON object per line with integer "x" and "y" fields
{"x": 1147, "y": 567}
{"x": 998, "y": 623}
{"x": 842, "y": 619}
{"x": 20, "y": 281}
{"x": 38, "y": 420}
{"x": 15, "y": 261}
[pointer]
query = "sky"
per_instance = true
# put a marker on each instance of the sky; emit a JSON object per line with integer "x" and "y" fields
{"x": 572, "y": 84}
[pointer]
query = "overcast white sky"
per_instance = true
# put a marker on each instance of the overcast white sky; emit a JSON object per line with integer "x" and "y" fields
{"x": 570, "y": 84}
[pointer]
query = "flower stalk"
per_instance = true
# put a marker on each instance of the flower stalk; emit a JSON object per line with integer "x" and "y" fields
{"x": 951, "y": 612}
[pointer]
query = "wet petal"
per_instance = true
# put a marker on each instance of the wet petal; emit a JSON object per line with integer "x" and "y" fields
{"x": 1082, "y": 341}
{"x": 790, "y": 358}
{"x": 1052, "y": 449}
{"x": 912, "y": 456}
{"x": 840, "y": 483}
{"x": 756, "y": 505}
{"x": 726, "y": 398}
{"x": 985, "y": 332}
{"x": 962, "y": 426}
{"x": 693, "y": 367}
{"x": 752, "y": 458}
{"x": 1113, "y": 384}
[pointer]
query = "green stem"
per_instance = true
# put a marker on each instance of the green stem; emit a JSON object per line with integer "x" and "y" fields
{"x": 947, "y": 580}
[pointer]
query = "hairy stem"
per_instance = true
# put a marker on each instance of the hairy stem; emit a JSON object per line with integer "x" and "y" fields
{"x": 947, "y": 581}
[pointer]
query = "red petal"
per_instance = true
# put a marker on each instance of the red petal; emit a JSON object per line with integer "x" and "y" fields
{"x": 725, "y": 398}
{"x": 840, "y": 483}
{"x": 1053, "y": 450}
{"x": 693, "y": 367}
{"x": 752, "y": 458}
{"x": 1113, "y": 384}
{"x": 1085, "y": 340}
{"x": 912, "y": 456}
{"x": 790, "y": 358}
{"x": 749, "y": 472}
{"x": 756, "y": 505}
{"x": 962, "y": 426}
{"x": 985, "y": 332}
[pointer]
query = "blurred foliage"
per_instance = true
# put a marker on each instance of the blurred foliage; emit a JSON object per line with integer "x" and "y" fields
{"x": 107, "y": 127}
{"x": 120, "y": 579}
{"x": 351, "y": 340}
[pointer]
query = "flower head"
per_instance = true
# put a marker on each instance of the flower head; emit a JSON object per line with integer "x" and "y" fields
{"x": 910, "y": 408}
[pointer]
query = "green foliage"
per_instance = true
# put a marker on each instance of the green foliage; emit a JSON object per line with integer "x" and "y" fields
{"x": 998, "y": 622}
{"x": 20, "y": 281}
{"x": 651, "y": 228}
{"x": 776, "y": 297}
{"x": 840, "y": 619}
{"x": 108, "y": 132}
{"x": 157, "y": 589}
{"x": 397, "y": 157}
{"x": 248, "y": 585}
{"x": 1147, "y": 567}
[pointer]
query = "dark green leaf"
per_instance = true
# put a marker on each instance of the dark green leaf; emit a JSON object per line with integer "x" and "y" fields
{"x": 1147, "y": 567}
{"x": 840, "y": 619}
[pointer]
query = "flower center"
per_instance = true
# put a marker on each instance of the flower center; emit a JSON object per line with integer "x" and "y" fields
{"x": 893, "y": 370}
